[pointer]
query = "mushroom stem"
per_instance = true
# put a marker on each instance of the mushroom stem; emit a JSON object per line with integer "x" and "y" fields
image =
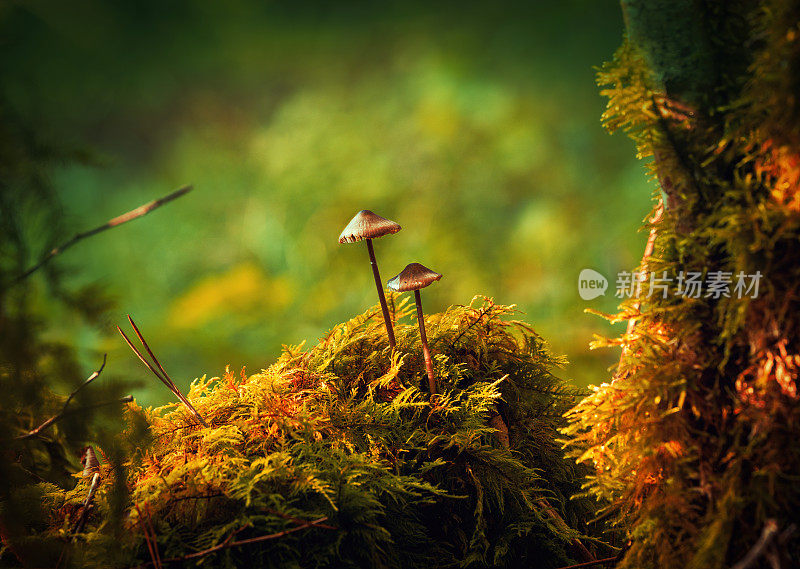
{"x": 425, "y": 351}
{"x": 381, "y": 296}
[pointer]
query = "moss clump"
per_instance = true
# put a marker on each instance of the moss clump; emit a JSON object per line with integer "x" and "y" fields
{"x": 339, "y": 447}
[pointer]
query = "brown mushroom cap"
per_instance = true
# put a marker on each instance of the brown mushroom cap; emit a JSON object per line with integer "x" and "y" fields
{"x": 367, "y": 225}
{"x": 413, "y": 277}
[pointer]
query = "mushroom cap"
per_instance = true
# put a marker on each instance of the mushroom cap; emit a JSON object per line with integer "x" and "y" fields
{"x": 367, "y": 225}
{"x": 413, "y": 277}
{"x": 90, "y": 462}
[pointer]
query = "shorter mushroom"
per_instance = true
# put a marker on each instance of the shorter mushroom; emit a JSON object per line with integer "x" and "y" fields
{"x": 415, "y": 277}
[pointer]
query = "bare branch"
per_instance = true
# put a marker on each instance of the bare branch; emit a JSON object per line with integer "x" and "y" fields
{"x": 768, "y": 534}
{"x": 149, "y": 535}
{"x": 559, "y": 521}
{"x": 227, "y": 544}
{"x": 119, "y": 220}
{"x": 591, "y": 563}
{"x": 164, "y": 374}
{"x": 298, "y": 520}
{"x": 61, "y": 413}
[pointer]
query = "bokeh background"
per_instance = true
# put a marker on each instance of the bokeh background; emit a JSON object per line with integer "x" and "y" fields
{"x": 475, "y": 125}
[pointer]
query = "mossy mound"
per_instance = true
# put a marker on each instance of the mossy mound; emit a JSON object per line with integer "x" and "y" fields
{"x": 338, "y": 456}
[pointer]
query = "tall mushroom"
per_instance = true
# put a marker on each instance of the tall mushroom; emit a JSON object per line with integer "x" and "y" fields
{"x": 367, "y": 225}
{"x": 414, "y": 277}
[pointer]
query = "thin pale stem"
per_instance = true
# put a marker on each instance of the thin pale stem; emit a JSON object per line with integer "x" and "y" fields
{"x": 57, "y": 416}
{"x": 381, "y": 297}
{"x": 119, "y": 220}
{"x": 425, "y": 351}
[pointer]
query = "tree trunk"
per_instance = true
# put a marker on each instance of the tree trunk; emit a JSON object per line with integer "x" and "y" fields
{"x": 694, "y": 441}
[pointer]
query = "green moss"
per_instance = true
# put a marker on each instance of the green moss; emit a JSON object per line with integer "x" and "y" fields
{"x": 343, "y": 431}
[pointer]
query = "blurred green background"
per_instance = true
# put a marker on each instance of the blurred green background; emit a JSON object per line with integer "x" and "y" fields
{"x": 475, "y": 125}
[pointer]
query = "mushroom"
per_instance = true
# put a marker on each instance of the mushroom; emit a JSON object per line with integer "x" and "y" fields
{"x": 414, "y": 277}
{"x": 90, "y": 462}
{"x": 367, "y": 225}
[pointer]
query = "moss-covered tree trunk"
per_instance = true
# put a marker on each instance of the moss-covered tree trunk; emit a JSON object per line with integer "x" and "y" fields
{"x": 694, "y": 440}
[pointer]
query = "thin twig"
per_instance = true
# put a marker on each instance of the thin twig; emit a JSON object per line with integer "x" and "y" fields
{"x": 165, "y": 378}
{"x": 768, "y": 534}
{"x": 149, "y": 538}
{"x": 29, "y": 472}
{"x": 683, "y": 159}
{"x": 297, "y": 520}
{"x": 559, "y": 521}
{"x": 483, "y": 312}
{"x": 591, "y": 563}
{"x": 149, "y": 522}
{"x": 119, "y": 220}
{"x": 227, "y": 544}
{"x": 164, "y": 374}
{"x": 123, "y": 399}
{"x": 57, "y": 416}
